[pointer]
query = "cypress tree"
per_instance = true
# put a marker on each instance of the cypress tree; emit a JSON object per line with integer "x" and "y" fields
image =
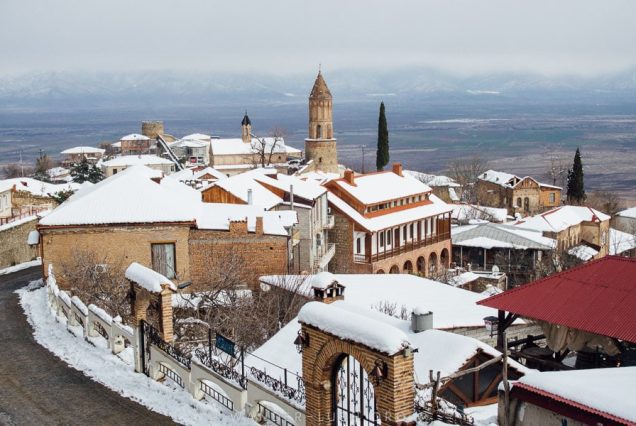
{"x": 382, "y": 155}
{"x": 575, "y": 187}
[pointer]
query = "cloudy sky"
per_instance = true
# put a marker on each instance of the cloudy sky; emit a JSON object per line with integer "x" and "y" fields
{"x": 290, "y": 36}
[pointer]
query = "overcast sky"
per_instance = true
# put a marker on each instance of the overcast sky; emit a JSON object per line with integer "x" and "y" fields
{"x": 289, "y": 36}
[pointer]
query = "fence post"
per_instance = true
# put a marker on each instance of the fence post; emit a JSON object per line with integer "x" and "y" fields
{"x": 142, "y": 348}
{"x": 242, "y": 364}
{"x": 209, "y": 343}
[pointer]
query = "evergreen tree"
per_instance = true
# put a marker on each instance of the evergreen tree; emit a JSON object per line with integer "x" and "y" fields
{"x": 81, "y": 171}
{"x": 575, "y": 188}
{"x": 95, "y": 174}
{"x": 382, "y": 155}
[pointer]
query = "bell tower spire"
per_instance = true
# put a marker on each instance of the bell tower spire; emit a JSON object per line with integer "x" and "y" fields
{"x": 320, "y": 146}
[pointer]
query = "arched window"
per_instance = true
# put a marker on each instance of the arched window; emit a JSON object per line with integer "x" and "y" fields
{"x": 519, "y": 202}
{"x": 526, "y": 204}
{"x": 318, "y": 131}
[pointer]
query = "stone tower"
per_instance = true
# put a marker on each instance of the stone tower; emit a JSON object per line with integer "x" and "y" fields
{"x": 320, "y": 146}
{"x": 246, "y": 129}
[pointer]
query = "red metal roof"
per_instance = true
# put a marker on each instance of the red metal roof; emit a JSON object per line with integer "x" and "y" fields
{"x": 566, "y": 407}
{"x": 598, "y": 297}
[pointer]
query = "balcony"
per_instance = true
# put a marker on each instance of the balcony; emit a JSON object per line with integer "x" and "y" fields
{"x": 404, "y": 248}
{"x": 321, "y": 261}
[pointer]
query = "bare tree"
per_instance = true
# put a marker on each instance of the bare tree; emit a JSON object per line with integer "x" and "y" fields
{"x": 556, "y": 169}
{"x": 227, "y": 306}
{"x": 392, "y": 309}
{"x": 465, "y": 172}
{"x": 12, "y": 170}
{"x": 606, "y": 201}
{"x": 264, "y": 148}
{"x": 98, "y": 279}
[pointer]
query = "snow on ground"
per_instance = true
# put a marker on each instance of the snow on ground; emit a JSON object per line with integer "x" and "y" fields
{"x": 20, "y": 266}
{"x": 99, "y": 364}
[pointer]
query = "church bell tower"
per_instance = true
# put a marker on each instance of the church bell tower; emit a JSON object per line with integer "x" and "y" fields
{"x": 320, "y": 146}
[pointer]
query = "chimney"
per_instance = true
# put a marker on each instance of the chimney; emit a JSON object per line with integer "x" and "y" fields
{"x": 259, "y": 225}
{"x": 349, "y": 177}
{"x": 250, "y": 198}
{"x": 291, "y": 196}
{"x": 397, "y": 169}
{"x": 421, "y": 320}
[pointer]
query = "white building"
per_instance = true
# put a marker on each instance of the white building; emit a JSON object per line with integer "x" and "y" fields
{"x": 117, "y": 164}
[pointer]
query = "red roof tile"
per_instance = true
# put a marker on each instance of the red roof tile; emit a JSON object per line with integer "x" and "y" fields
{"x": 598, "y": 297}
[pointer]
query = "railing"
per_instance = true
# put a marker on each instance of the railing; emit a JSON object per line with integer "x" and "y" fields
{"x": 222, "y": 369}
{"x": 171, "y": 374}
{"x": 155, "y": 338}
{"x": 217, "y": 396}
{"x": 22, "y": 213}
{"x": 403, "y": 248}
{"x": 269, "y": 415}
{"x": 321, "y": 261}
{"x": 281, "y": 385}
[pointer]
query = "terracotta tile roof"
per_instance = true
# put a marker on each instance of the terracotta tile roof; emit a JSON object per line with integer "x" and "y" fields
{"x": 598, "y": 297}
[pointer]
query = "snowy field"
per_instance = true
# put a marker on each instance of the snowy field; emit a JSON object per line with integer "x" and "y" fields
{"x": 117, "y": 373}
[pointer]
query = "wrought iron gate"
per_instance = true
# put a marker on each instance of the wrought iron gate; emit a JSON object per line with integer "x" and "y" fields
{"x": 353, "y": 394}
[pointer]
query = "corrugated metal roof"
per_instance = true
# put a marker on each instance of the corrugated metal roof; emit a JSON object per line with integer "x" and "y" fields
{"x": 598, "y": 297}
{"x": 576, "y": 405}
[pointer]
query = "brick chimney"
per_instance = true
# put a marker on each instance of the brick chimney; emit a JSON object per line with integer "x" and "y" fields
{"x": 238, "y": 227}
{"x": 259, "y": 225}
{"x": 349, "y": 177}
{"x": 397, "y": 169}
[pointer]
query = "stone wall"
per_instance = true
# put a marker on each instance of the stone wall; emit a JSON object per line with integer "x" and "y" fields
{"x": 212, "y": 252}
{"x": 14, "y": 248}
{"x": 25, "y": 199}
{"x": 124, "y": 244}
{"x": 324, "y": 153}
{"x": 342, "y": 236}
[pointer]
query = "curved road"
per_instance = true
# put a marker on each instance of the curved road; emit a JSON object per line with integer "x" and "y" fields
{"x": 38, "y": 388}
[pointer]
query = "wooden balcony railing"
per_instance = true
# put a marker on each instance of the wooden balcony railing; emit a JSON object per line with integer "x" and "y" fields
{"x": 405, "y": 247}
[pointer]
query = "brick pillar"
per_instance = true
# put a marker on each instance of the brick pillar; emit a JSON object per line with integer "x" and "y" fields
{"x": 395, "y": 395}
{"x": 166, "y": 312}
{"x": 141, "y": 301}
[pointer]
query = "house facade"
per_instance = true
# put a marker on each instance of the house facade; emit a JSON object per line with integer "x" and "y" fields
{"x": 386, "y": 222}
{"x": 576, "y": 229}
{"x": 118, "y": 164}
{"x": 76, "y": 154}
{"x": 522, "y": 195}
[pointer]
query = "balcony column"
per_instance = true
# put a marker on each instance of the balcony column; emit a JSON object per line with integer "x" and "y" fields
{"x": 367, "y": 246}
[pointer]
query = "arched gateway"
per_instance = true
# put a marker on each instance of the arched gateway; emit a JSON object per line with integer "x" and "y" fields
{"x": 357, "y": 370}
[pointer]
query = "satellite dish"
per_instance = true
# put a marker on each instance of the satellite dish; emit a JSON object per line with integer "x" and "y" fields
{"x": 495, "y": 269}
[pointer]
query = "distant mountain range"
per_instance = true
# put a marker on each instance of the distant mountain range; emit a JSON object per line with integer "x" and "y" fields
{"x": 185, "y": 87}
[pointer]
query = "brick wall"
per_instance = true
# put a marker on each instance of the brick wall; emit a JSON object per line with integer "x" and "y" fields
{"x": 342, "y": 236}
{"x": 14, "y": 248}
{"x": 394, "y": 395}
{"x": 210, "y": 251}
{"x": 116, "y": 243}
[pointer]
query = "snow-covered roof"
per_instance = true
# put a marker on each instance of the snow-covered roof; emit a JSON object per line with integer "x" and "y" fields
{"x": 194, "y": 174}
{"x": 147, "y": 278}
{"x": 609, "y": 390}
{"x": 83, "y": 150}
{"x": 189, "y": 143}
{"x": 433, "y": 180}
{"x": 218, "y": 217}
{"x": 322, "y": 280}
{"x": 135, "y": 160}
{"x": 236, "y": 146}
{"x": 239, "y": 185}
{"x": 197, "y": 137}
{"x": 508, "y": 180}
{"x": 561, "y": 218}
{"x": 630, "y": 213}
{"x": 620, "y": 241}
{"x": 583, "y": 252}
{"x": 35, "y": 187}
{"x": 463, "y": 278}
{"x": 491, "y": 235}
{"x": 463, "y": 212}
{"x": 438, "y": 350}
{"x": 126, "y": 197}
{"x": 355, "y": 324}
{"x": 318, "y": 176}
{"x": 388, "y": 220}
{"x": 452, "y": 307}
{"x": 302, "y": 188}
{"x": 134, "y": 137}
{"x": 379, "y": 187}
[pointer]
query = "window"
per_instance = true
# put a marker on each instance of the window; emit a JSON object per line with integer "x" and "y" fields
{"x": 411, "y": 230}
{"x": 163, "y": 259}
{"x": 552, "y": 197}
{"x": 318, "y": 132}
{"x": 114, "y": 171}
{"x": 388, "y": 237}
{"x": 526, "y": 204}
{"x": 382, "y": 239}
{"x": 519, "y": 202}
{"x": 358, "y": 245}
{"x": 405, "y": 233}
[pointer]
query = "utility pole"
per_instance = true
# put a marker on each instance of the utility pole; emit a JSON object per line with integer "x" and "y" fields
{"x": 21, "y": 165}
{"x": 505, "y": 381}
{"x": 363, "y": 152}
